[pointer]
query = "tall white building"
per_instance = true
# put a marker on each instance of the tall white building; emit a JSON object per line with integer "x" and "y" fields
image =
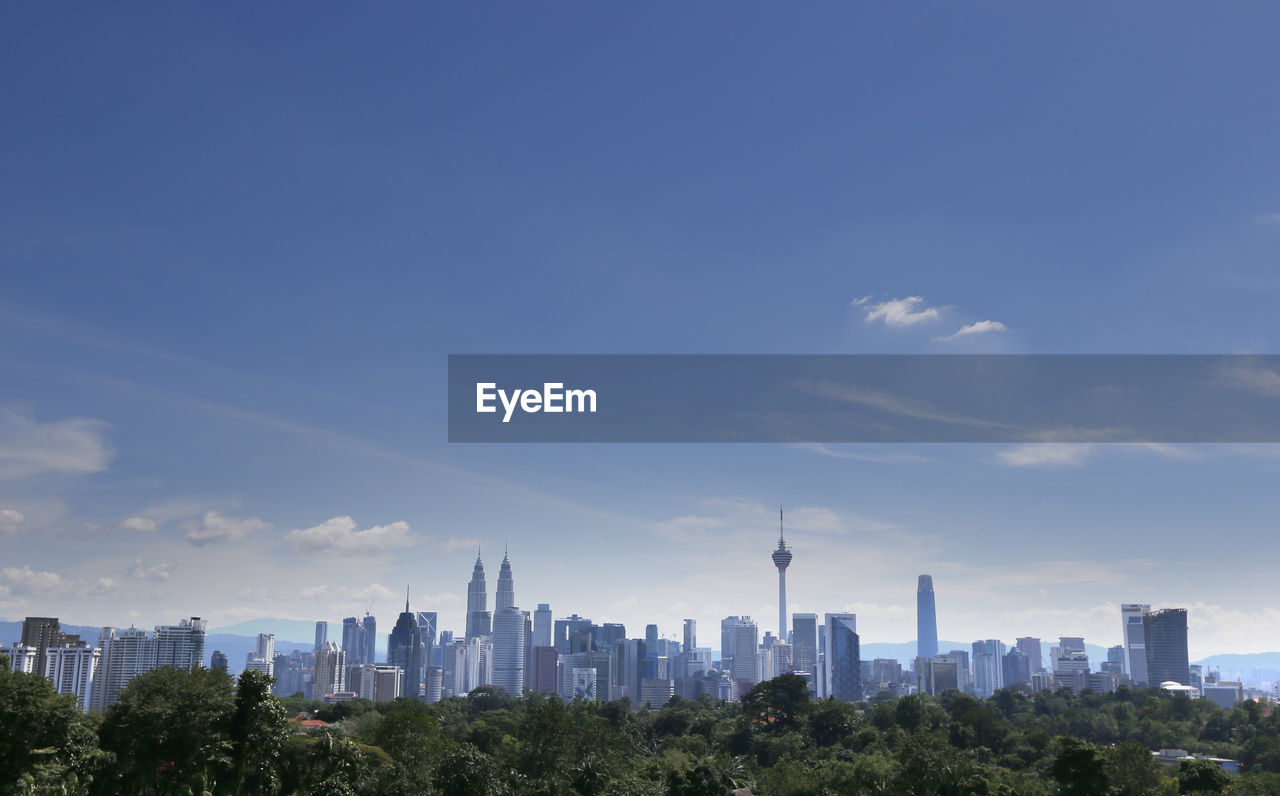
{"x": 740, "y": 637}
{"x": 263, "y": 658}
{"x": 182, "y": 645}
{"x": 73, "y": 669}
{"x": 331, "y": 671}
{"x": 542, "y": 625}
{"x": 508, "y": 650}
{"x": 126, "y": 654}
{"x": 22, "y": 658}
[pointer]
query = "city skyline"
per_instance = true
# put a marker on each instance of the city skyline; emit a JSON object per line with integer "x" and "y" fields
{"x": 224, "y": 332}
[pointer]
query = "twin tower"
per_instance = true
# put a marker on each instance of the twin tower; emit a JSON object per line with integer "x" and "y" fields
{"x": 479, "y": 619}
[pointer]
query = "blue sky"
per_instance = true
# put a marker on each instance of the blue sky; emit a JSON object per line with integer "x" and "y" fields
{"x": 238, "y": 242}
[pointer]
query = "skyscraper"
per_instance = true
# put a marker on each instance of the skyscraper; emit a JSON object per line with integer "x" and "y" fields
{"x": 804, "y": 647}
{"x": 353, "y": 640}
{"x": 690, "y": 636}
{"x": 507, "y": 670}
{"x": 1135, "y": 641}
{"x": 1166, "y": 646}
{"x": 40, "y": 633}
{"x": 404, "y": 649}
{"x": 369, "y": 633}
{"x": 782, "y": 560}
{"x": 478, "y": 617}
{"x": 322, "y": 634}
{"x": 506, "y": 597}
{"x": 263, "y": 658}
{"x": 331, "y": 671}
{"x": 843, "y": 659}
{"x": 988, "y": 667}
{"x": 542, "y": 625}
{"x": 926, "y": 619}
{"x": 1030, "y": 647}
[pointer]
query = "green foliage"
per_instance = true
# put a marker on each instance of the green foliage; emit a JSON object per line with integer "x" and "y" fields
{"x": 179, "y": 732}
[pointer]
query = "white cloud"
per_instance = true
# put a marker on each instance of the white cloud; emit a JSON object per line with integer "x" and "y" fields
{"x": 11, "y": 520}
{"x": 28, "y": 447}
{"x": 1046, "y": 454}
{"x": 969, "y": 330}
{"x": 360, "y": 594}
{"x": 157, "y": 572}
{"x": 214, "y": 527}
{"x": 341, "y": 535}
{"x": 26, "y": 581}
{"x": 139, "y": 524}
{"x": 1261, "y": 381}
{"x": 1268, "y": 218}
{"x": 459, "y": 543}
{"x": 901, "y": 312}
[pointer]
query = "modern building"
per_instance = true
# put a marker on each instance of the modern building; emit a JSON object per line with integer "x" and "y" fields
{"x": 73, "y": 669}
{"x": 23, "y": 659}
{"x": 926, "y": 619}
{"x": 1165, "y": 634}
{"x": 843, "y": 658}
{"x": 1032, "y": 648}
{"x": 542, "y": 623}
{"x": 331, "y": 672}
{"x": 478, "y": 617}
{"x": 1135, "y": 642}
{"x": 369, "y": 634}
{"x": 739, "y": 643}
{"x": 353, "y": 641}
{"x": 218, "y": 660}
{"x": 182, "y": 645}
{"x": 263, "y": 658}
{"x": 508, "y": 635}
{"x": 544, "y": 675}
{"x": 782, "y": 560}
{"x": 125, "y": 655}
{"x": 804, "y": 647}
{"x": 1015, "y": 667}
{"x": 380, "y": 683}
{"x": 40, "y": 633}
{"x": 322, "y": 635}
{"x": 988, "y": 667}
{"x": 405, "y": 649}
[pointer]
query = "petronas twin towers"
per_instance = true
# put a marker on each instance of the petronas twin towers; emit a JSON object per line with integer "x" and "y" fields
{"x": 506, "y": 626}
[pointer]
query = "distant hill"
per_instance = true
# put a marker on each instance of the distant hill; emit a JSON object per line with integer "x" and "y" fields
{"x": 1256, "y": 666}
{"x": 905, "y": 651}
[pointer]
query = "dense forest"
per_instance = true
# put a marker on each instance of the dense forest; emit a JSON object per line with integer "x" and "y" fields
{"x": 179, "y": 732}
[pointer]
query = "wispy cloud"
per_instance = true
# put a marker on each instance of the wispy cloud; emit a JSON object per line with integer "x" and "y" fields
{"x": 10, "y": 521}
{"x": 1047, "y": 454}
{"x": 1257, "y": 380}
{"x": 899, "y": 313}
{"x": 214, "y": 527}
{"x": 974, "y": 329}
{"x": 459, "y": 543}
{"x": 1267, "y": 218}
{"x": 892, "y": 404}
{"x": 857, "y": 453}
{"x": 26, "y": 581}
{"x": 28, "y": 447}
{"x": 160, "y": 571}
{"x": 342, "y": 535}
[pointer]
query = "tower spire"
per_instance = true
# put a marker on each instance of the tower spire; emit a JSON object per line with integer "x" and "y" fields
{"x": 406, "y": 598}
{"x": 780, "y": 540}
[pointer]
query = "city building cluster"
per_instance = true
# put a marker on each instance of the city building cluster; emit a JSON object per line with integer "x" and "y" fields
{"x": 519, "y": 650}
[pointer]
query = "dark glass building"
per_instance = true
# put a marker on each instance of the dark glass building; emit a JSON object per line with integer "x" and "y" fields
{"x": 1166, "y": 639}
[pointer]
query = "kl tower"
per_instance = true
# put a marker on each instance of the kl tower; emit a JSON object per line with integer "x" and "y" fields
{"x": 782, "y": 559}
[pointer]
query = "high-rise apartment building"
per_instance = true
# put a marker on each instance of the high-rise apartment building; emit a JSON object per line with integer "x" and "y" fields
{"x": 380, "y": 683}
{"x": 73, "y": 669}
{"x": 331, "y": 671}
{"x": 263, "y": 658}
{"x": 182, "y": 645}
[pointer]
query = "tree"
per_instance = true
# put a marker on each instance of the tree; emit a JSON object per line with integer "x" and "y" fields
{"x": 1201, "y": 776}
{"x": 45, "y": 743}
{"x": 169, "y": 731}
{"x": 258, "y": 730}
{"x": 778, "y": 704}
{"x": 1079, "y": 768}
{"x": 1132, "y": 771}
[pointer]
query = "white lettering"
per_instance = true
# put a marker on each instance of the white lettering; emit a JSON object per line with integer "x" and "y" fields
{"x": 581, "y": 397}
{"x": 484, "y": 395}
{"x": 510, "y": 406}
